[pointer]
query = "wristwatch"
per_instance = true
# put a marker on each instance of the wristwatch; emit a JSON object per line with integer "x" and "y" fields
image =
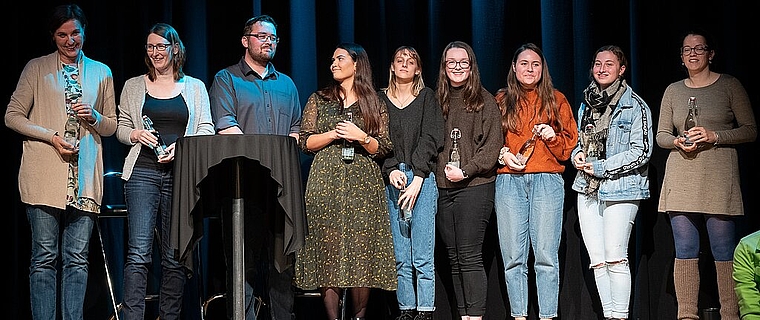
{"x": 367, "y": 139}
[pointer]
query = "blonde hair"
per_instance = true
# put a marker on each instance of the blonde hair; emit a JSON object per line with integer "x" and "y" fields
{"x": 417, "y": 83}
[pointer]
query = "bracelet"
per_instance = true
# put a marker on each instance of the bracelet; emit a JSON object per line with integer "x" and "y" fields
{"x": 716, "y": 138}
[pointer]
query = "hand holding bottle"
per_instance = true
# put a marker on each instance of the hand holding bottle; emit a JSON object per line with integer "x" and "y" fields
{"x": 63, "y": 147}
{"x": 397, "y": 179}
{"x": 583, "y": 163}
{"x": 84, "y": 111}
{"x": 544, "y": 131}
{"x": 698, "y": 136}
{"x": 168, "y": 154}
{"x": 348, "y": 130}
{"x": 144, "y": 137}
{"x": 512, "y": 161}
{"x": 408, "y": 195}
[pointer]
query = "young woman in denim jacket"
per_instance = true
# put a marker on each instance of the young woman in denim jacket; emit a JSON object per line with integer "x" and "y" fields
{"x": 612, "y": 157}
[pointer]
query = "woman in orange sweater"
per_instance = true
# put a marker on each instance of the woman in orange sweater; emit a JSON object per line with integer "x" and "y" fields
{"x": 529, "y": 185}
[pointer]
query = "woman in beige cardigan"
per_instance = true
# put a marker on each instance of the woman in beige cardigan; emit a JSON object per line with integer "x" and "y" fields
{"x": 61, "y": 182}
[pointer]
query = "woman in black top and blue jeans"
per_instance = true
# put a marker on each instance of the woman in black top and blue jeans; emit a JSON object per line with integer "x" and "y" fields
{"x": 416, "y": 130}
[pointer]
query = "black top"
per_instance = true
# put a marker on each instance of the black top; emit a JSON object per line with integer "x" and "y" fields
{"x": 416, "y": 132}
{"x": 169, "y": 118}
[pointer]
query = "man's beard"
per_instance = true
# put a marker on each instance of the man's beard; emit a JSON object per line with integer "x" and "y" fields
{"x": 262, "y": 57}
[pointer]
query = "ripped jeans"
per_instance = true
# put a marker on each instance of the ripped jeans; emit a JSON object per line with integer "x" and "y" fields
{"x": 606, "y": 228}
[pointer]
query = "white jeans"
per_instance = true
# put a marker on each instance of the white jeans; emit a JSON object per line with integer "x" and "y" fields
{"x": 606, "y": 228}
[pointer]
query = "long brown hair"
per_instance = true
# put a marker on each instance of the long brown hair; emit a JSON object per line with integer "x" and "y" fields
{"x": 514, "y": 96}
{"x": 473, "y": 100}
{"x": 364, "y": 88}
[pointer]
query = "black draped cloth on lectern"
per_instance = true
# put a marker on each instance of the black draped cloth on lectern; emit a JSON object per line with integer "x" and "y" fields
{"x": 205, "y": 174}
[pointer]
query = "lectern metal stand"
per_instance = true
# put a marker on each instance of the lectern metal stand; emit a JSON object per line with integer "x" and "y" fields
{"x": 238, "y": 292}
{"x": 202, "y": 182}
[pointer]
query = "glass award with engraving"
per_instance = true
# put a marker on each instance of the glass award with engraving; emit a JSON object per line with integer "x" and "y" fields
{"x": 71, "y": 129}
{"x": 160, "y": 147}
{"x": 454, "y": 158}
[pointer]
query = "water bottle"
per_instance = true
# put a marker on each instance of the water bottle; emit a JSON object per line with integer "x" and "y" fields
{"x": 691, "y": 120}
{"x": 527, "y": 149}
{"x": 405, "y": 217}
{"x": 347, "y": 152}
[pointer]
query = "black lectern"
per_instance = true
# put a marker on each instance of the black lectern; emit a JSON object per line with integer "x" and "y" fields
{"x": 221, "y": 160}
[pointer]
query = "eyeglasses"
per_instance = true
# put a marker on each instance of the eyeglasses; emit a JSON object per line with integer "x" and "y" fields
{"x": 699, "y": 50}
{"x": 264, "y": 37}
{"x": 160, "y": 46}
{"x": 464, "y": 64}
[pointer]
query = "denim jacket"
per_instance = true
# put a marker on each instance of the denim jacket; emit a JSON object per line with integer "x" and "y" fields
{"x": 625, "y": 168}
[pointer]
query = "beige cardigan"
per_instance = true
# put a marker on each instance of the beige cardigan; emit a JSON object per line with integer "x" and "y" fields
{"x": 131, "y": 104}
{"x": 36, "y": 110}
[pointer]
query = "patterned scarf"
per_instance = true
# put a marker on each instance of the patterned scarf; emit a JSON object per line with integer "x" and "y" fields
{"x": 595, "y": 123}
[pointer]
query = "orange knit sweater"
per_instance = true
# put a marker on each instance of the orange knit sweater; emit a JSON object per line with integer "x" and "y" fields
{"x": 548, "y": 154}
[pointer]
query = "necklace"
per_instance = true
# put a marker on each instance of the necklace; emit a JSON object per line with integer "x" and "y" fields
{"x": 402, "y": 103}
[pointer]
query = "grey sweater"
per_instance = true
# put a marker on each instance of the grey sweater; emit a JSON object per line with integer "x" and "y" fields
{"x": 130, "y": 114}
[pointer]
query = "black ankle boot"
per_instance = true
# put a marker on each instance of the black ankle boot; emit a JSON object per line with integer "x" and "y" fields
{"x": 424, "y": 315}
{"x": 406, "y": 315}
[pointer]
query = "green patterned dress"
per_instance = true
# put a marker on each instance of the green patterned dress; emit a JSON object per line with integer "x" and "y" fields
{"x": 349, "y": 243}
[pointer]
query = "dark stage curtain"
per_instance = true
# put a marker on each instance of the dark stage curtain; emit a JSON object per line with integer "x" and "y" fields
{"x": 568, "y": 31}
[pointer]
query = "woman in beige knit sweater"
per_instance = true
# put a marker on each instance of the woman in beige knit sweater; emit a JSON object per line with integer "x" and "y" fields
{"x": 724, "y": 119}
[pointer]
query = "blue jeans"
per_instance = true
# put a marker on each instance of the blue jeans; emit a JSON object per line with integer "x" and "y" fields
{"x": 462, "y": 219}
{"x": 415, "y": 251}
{"x": 721, "y": 230}
{"x": 529, "y": 213}
{"x": 148, "y": 195}
{"x": 72, "y": 228}
{"x": 606, "y": 228}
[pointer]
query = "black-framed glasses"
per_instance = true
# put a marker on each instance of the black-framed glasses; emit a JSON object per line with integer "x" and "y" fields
{"x": 699, "y": 50}
{"x": 160, "y": 46}
{"x": 464, "y": 64}
{"x": 264, "y": 37}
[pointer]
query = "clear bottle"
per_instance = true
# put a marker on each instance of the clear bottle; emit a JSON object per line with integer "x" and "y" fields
{"x": 527, "y": 149}
{"x": 406, "y": 211}
{"x": 347, "y": 152}
{"x": 160, "y": 148}
{"x": 691, "y": 120}
{"x": 454, "y": 158}
{"x": 405, "y": 217}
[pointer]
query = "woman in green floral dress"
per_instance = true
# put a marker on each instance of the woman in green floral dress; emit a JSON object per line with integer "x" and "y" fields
{"x": 349, "y": 245}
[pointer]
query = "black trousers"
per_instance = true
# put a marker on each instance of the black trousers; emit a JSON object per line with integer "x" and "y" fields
{"x": 462, "y": 219}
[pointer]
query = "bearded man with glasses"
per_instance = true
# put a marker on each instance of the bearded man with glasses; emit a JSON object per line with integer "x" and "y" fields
{"x": 251, "y": 97}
